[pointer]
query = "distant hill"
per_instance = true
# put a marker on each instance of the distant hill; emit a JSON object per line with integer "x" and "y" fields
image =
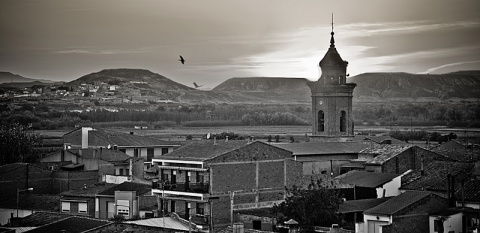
{"x": 29, "y": 84}
{"x": 263, "y": 84}
{"x": 371, "y": 87}
{"x": 420, "y": 87}
{"x": 143, "y": 78}
{"x": 7, "y": 77}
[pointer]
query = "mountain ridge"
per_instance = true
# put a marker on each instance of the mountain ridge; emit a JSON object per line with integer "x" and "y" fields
{"x": 371, "y": 87}
{"x": 8, "y": 77}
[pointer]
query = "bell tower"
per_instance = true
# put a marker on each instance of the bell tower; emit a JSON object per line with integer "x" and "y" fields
{"x": 332, "y": 98}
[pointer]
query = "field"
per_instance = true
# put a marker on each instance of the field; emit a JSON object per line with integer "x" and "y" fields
{"x": 179, "y": 133}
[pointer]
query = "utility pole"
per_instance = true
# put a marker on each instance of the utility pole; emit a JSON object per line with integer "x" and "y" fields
{"x": 232, "y": 196}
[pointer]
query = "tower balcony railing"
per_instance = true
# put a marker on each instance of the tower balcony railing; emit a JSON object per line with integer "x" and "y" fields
{"x": 192, "y": 187}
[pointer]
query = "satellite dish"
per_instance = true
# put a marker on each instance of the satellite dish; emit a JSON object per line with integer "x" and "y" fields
{"x": 208, "y": 135}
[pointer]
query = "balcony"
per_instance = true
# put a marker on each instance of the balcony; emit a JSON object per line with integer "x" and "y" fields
{"x": 183, "y": 187}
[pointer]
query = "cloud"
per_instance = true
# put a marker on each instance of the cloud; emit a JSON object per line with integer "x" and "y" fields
{"x": 433, "y": 69}
{"x": 368, "y": 29}
{"x": 99, "y": 51}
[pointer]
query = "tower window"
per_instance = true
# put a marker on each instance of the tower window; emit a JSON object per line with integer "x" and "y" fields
{"x": 343, "y": 125}
{"x": 321, "y": 121}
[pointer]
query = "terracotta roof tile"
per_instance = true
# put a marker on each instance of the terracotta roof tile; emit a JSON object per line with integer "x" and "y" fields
{"x": 366, "y": 179}
{"x": 41, "y": 218}
{"x": 360, "y": 205}
{"x": 90, "y": 191}
{"x": 461, "y": 155}
{"x": 127, "y": 186}
{"x": 316, "y": 148}
{"x": 384, "y": 152}
{"x": 72, "y": 224}
{"x": 398, "y": 203}
{"x": 434, "y": 176}
{"x": 470, "y": 190}
{"x": 203, "y": 150}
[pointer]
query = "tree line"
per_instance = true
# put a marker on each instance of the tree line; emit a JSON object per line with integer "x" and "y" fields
{"x": 408, "y": 114}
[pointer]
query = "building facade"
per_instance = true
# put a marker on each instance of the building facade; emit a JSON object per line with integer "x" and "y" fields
{"x": 222, "y": 177}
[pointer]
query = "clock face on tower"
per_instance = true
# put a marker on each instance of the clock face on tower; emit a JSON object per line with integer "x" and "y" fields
{"x": 320, "y": 102}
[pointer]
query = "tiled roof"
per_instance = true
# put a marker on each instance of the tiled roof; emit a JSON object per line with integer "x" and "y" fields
{"x": 229, "y": 229}
{"x": 447, "y": 212}
{"x": 383, "y": 139}
{"x": 127, "y": 186}
{"x": 11, "y": 167}
{"x": 174, "y": 222}
{"x": 124, "y": 139}
{"x": 72, "y": 224}
{"x": 461, "y": 155}
{"x": 319, "y": 148}
{"x": 133, "y": 140}
{"x": 377, "y": 139}
{"x": 366, "y": 179}
{"x": 41, "y": 218}
{"x": 103, "y": 154}
{"x": 434, "y": 176}
{"x": 384, "y": 152}
{"x": 360, "y": 205}
{"x": 203, "y": 150}
{"x": 470, "y": 191}
{"x": 398, "y": 203}
{"x": 451, "y": 145}
{"x": 30, "y": 201}
{"x": 89, "y": 191}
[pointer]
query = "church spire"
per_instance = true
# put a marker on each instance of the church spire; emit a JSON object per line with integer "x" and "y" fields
{"x": 332, "y": 40}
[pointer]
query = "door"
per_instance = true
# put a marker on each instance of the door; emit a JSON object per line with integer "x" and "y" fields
{"x": 110, "y": 209}
{"x": 374, "y": 226}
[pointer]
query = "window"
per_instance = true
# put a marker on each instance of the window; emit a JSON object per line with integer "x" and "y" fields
{"x": 82, "y": 207}
{"x": 149, "y": 154}
{"x": 127, "y": 171}
{"x": 172, "y": 206}
{"x": 200, "y": 178}
{"x": 164, "y": 150}
{"x": 437, "y": 225}
{"x": 343, "y": 124}
{"x": 135, "y": 152}
{"x": 65, "y": 206}
{"x": 200, "y": 209}
{"x": 321, "y": 121}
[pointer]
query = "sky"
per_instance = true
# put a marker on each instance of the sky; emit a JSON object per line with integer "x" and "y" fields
{"x": 62, "y": 40}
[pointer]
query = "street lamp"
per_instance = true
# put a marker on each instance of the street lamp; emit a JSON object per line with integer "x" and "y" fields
{"x": 18, "y": 195}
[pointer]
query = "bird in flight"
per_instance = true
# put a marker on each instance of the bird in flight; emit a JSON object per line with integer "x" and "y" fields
{"x": 196, "y": 85}
{"x": 181, "y": 59}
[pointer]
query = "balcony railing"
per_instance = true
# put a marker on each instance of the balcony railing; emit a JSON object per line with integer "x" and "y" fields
{"x": 183, "y": 187}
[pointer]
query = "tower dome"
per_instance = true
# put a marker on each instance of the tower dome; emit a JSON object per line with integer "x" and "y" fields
{"x": 332, "y": 58}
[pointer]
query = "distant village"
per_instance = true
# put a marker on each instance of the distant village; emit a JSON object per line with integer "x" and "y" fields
{"x": 102, "y": 180}
{"x": 87, "y": 95}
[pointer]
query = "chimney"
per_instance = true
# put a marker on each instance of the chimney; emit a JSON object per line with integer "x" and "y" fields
{"x": 85, "y": 136}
